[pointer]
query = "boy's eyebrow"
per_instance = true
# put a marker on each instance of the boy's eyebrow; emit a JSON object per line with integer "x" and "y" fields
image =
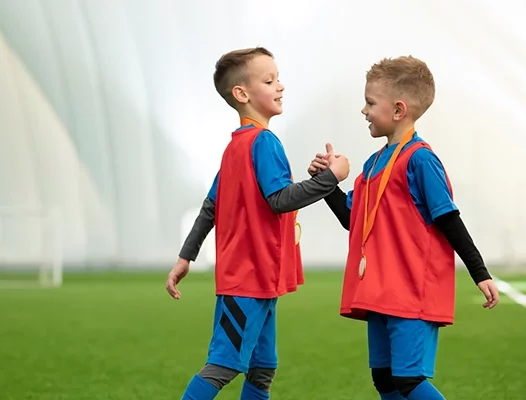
{"x": 270, "y": 75}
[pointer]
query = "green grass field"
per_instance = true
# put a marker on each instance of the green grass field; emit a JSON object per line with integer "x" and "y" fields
{"x": 121, "y": 337}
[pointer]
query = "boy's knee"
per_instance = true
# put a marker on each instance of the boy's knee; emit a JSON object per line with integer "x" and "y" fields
{"x": 218, "y": 376}
{"x": 261, "y": 378}
{"x": 406, "y": 385}
{"x": 383, "y": 380}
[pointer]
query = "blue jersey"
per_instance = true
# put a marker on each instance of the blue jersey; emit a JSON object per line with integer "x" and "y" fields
{"x": 271, "y": 165}
{"x": 426, "y": 178}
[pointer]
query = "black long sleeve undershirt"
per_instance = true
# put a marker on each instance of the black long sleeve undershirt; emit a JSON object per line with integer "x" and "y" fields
{"x": 203, "y": 224}
{"x": 337, "y": 202}
{"x": 453, "y": 228}
{"x": 450, "y": 224}
{"x": 304, "y": 193}
{"x": 290, "y": 198}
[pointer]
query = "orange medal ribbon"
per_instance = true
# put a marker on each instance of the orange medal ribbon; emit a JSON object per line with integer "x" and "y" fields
{"x": 368, "y": 221}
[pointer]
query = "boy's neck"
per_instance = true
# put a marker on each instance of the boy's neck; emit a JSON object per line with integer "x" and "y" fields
{"x": 256, "y": 120}
{"x": 399, "y": 133}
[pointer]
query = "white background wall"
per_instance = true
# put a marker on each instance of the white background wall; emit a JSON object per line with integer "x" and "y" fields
{"x": 108, "y": 111}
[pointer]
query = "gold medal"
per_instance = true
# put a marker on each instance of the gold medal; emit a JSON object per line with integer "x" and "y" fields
{"x": 297, "y": 231}
{"x": 363, "y": 265}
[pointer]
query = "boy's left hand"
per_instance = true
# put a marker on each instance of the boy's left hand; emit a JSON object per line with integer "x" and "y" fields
{"x": 491, "y": 292}
{"x": 178, "y": 272}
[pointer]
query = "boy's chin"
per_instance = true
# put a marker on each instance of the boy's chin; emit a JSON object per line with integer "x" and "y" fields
{"x": 277, "y": 111}
{"x": 378, "y": 133}
{"x": 274, "y": 113}
{"x": 375, "y": 134}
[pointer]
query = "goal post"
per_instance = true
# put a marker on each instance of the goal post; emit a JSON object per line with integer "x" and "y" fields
{"x": 30, "y": 247}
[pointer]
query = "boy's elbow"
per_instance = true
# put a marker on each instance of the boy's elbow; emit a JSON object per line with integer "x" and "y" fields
{"x": 277, "y": 208}
{"x": 345, "y": 223}
{"x": 275, "y": 203}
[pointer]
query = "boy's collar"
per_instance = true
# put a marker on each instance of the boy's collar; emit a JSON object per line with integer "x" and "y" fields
{"x": 415, "y": 135}
{"x": 251, "y": 121}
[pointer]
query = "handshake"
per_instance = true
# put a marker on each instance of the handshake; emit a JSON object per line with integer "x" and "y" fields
{"x": 337, "y": 163}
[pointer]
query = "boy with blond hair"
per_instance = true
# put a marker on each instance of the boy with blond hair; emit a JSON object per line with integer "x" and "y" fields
{"x": 252, "y": 203}
{"x": 404, "y": 230}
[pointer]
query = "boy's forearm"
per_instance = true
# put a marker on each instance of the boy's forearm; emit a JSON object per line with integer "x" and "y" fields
{"x": 293, "y": 197}
{"x": 202, "y": 226}
{"x": 337, "y": 202}
{"x": 302, "y": 194}
{"x": 458, "y": 237}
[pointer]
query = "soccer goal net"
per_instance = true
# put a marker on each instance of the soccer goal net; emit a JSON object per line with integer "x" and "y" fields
{"x": 30, "y": 247}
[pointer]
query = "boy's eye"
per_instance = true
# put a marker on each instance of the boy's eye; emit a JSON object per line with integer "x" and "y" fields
{"x": 269, "y": 82}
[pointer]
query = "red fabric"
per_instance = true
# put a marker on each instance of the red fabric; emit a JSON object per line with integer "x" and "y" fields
{"x": 410, "y": 270}
{"x": 256, "y": 251}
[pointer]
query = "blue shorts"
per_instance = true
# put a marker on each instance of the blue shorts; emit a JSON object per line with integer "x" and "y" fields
{"x": 408, "y": 346}
{"x": 244, "y": 334}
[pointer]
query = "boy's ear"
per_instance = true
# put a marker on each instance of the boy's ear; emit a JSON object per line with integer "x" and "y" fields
{"x": 400, "y": 110}
{"x": 240, "y": 94}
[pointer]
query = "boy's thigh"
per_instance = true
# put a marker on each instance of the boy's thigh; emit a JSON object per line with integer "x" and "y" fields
{"x": 265, "y": 353}
{"x": 378, "y": 341}
{"x": 238, "y": 322}
{"x": 413, "y": 346}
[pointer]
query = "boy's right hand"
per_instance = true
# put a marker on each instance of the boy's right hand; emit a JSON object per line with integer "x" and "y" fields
{"x": 177, "y": 273}
{"x": 318, "y": 164}
{"x": 338, "y": 164}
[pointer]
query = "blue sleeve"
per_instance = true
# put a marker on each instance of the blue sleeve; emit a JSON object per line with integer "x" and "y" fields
{"x": 428, "y": 185}
{"x": 349, "y": 199}
{"x": 271, "y": 165}
{"x": 212, "y": 193}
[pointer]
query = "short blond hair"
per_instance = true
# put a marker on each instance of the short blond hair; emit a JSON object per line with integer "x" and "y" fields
{"x": 409, "y": 78}
{"x": 230, "y": 71}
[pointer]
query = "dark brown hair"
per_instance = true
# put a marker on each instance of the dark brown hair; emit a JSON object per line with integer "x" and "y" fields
{"x": 230, "y": 71}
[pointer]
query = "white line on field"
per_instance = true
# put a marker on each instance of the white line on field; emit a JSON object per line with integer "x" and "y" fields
{"x": 520, "y": 285}
{"x": 510, "y": 291}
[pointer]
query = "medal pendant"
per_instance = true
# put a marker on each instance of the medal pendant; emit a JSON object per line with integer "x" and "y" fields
{"x": 297, "y": 232}
{"x": 363, "y": 265}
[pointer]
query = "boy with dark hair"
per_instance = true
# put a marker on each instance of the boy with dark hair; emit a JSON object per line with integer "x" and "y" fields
{"x": 253, "y": 204}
